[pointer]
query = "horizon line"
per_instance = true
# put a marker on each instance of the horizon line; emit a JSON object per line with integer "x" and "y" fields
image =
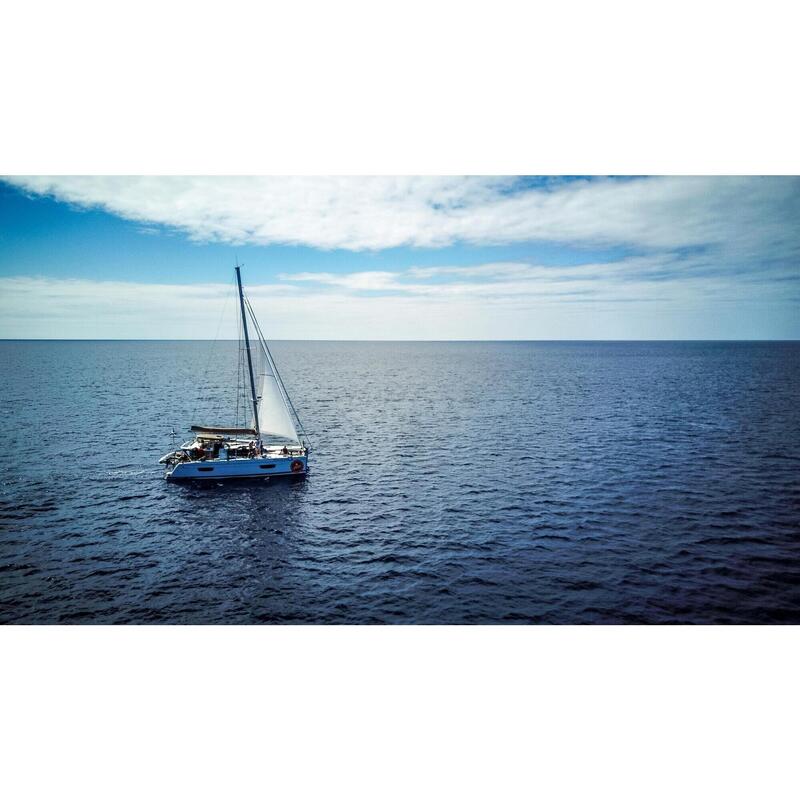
{"x": 388, "y": 341}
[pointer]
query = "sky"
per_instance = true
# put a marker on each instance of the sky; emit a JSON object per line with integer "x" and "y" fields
{"x": 401, "y": 257}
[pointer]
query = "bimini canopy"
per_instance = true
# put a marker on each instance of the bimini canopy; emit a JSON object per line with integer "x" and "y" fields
{"x": 224, "y": 431}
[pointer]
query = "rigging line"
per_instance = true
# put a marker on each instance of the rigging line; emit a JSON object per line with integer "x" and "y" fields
{"x": 249, "y": 353}
{"x": 268, "y": 355}
{"x": 222, "y": 395}
{"x": 239, "y": 373}
{"x": 241, "y": 380}
{"x": 213, "y": 345}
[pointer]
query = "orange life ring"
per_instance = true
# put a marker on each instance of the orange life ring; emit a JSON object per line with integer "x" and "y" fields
{"x": 297, "y": 465}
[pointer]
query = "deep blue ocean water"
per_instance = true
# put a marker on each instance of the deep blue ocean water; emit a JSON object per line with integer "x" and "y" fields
{"x": 519, "y": 482}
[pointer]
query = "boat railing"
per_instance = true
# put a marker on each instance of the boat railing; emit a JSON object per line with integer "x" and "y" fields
{"x": 296, "y": 453}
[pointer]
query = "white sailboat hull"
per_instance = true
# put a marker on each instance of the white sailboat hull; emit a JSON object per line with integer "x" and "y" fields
{"x": 237, "y": 468}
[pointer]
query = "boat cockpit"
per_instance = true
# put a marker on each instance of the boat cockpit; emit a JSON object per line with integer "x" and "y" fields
{"x": 216, "y": 447}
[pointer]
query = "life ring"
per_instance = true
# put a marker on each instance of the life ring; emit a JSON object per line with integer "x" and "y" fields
{"x": 297, "y": 465}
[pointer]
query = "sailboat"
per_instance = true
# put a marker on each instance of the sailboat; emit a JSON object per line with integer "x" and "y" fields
{"x": 274, "y": 444}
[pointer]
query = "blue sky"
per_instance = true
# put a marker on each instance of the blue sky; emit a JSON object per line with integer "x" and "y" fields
{"x": 403, "y": 258}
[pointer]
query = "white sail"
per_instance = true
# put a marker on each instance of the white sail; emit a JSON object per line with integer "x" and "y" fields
{"x": 274, "y": 418}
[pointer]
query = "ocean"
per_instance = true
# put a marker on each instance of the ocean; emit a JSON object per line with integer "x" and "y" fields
{"x": 457, "y": 482}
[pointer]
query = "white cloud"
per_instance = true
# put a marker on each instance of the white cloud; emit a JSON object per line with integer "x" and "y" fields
{"x": 494, "y": 301}
{"x": 741, "y": 217}
{"x": 657, "y": 276}
{"x": 363, "y": 281}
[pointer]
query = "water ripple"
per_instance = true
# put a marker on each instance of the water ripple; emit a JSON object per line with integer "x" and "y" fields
{"x": 451, "y": 483}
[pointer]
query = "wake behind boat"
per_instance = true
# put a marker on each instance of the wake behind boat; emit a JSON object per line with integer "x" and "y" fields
{"x": 273, "y": 444}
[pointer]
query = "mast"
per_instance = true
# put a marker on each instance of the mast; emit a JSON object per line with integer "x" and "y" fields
{"x": 247, "y": 348}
